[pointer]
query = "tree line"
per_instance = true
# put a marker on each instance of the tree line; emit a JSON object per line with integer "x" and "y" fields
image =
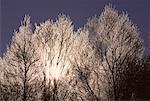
{"x": 104, "y": 60}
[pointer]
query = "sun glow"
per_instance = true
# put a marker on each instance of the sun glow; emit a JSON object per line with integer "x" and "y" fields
{"x": 56, "y": 66}
{"x": 56, "y": 73}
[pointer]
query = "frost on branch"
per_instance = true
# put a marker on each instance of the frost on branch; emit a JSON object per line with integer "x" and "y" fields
{"x": 56, "y": 63}
{"x": 55, "y": 41}
{"x": 116, "y": 44}
{"x": 21, "y": 70}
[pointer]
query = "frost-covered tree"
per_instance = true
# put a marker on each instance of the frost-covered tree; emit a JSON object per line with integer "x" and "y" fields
{"x": 55, "y": 39}
{"x": 116, "y": 42}
{"x": 89, "y": 81}
{"x": 56, "y": 63}
{"x": 21, "y": 67}
{"x": 83, "y": 68}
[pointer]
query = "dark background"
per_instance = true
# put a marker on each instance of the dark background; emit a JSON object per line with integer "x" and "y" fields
{"x": 13, "y": 11}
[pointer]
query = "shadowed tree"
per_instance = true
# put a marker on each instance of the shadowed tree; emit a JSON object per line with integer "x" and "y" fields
{"x": 142, "y": 80}
{"x": 116, "y": 42}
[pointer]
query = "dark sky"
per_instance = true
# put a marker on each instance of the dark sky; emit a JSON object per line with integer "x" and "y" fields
{"x": 13, "y": 11}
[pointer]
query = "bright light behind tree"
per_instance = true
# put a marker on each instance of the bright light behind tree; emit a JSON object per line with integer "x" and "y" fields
{"x": 55, "y": 73}
{"x": 55, "y": 41}
{"x": 54, "y": 63}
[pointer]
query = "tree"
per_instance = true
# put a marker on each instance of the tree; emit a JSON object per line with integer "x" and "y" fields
{"x": 56, "y": 63}
{"x": 88, "y": 74}
{"x": 21, "y": 68}
{"x": 116, "y": 42}
{"x": 54, "y": 45}
{"x": 83, "y": 68}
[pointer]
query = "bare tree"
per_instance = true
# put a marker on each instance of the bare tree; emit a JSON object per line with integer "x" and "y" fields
{"x": 116, "y": 42}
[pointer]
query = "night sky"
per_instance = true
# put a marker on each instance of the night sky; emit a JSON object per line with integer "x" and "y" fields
{"x": 13, "y": 11}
